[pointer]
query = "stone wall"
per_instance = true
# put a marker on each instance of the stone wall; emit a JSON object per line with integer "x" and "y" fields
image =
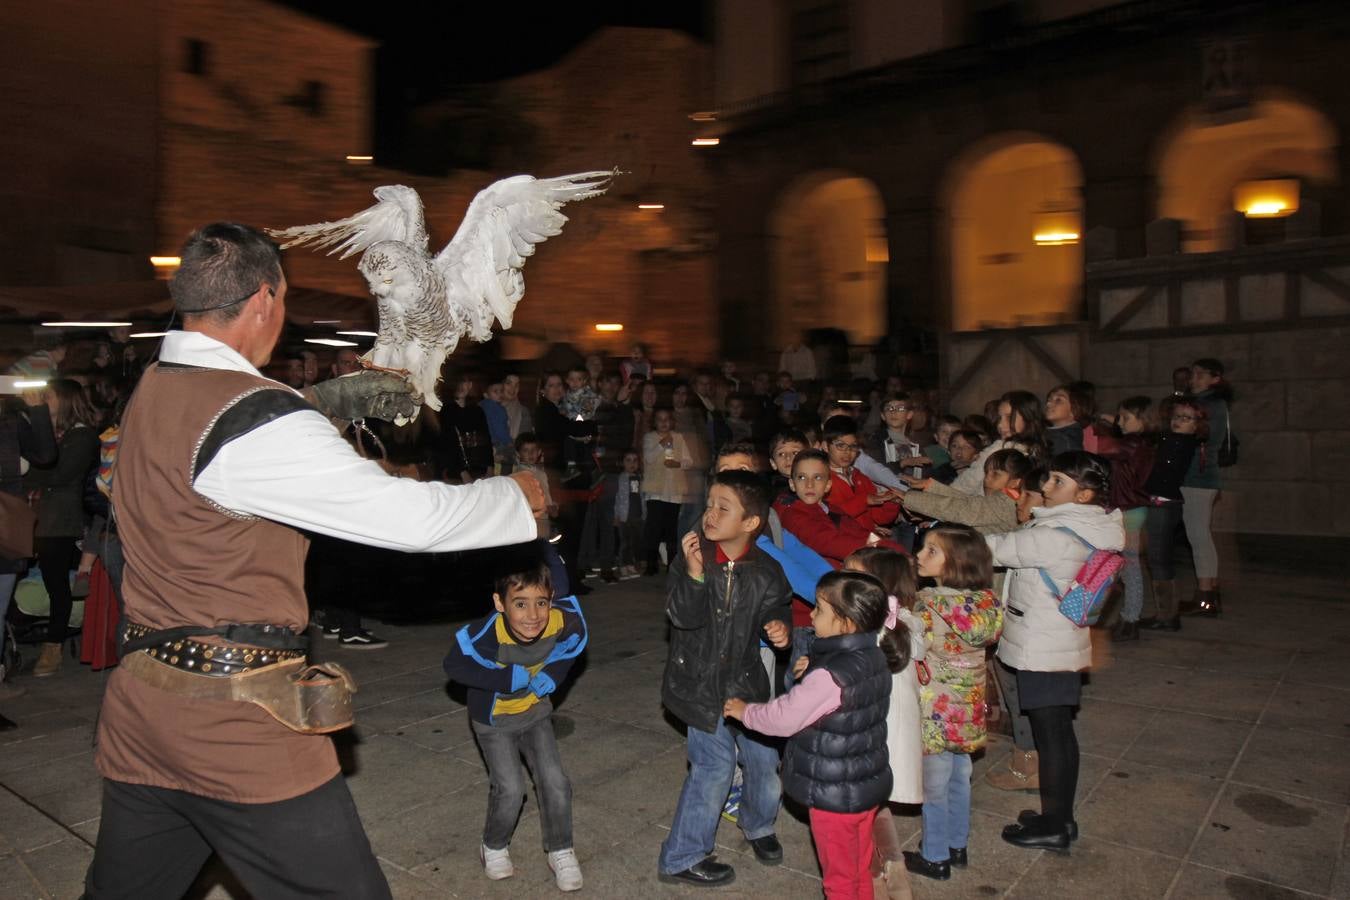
{"x": 1291, "y": 412}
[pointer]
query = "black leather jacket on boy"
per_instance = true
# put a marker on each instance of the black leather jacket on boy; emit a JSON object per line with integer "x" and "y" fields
{"x": 715, "y": 631}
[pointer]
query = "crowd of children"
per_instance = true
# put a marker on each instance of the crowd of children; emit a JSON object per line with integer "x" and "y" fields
{"x": 833, "y": 621}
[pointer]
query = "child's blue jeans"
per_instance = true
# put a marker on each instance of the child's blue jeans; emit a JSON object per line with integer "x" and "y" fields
{"x": 946, "y": 804}
{"x": 712, "y": 763}
{"x": 502, "y": 750}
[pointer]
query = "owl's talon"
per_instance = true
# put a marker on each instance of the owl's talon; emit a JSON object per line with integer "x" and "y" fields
{"x": 370, "y": 366}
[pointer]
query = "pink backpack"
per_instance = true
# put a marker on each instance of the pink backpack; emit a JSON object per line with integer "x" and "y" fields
{"x": 1082, "y": 603}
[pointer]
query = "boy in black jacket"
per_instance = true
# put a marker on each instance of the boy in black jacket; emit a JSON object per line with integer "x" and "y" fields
{"x": 512, "y": 661}
{"x": 720, "y": 595}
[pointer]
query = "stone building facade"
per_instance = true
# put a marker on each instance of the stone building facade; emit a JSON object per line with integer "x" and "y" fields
{"x": 1127, "y": 95}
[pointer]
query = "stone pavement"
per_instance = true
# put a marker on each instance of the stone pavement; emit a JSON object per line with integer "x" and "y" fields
{"x": 1216, "y": 763}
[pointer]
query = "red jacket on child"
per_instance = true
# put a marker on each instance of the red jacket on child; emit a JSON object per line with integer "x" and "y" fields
{"x": 827, "y": 531}
{"x": 849, "y": 496}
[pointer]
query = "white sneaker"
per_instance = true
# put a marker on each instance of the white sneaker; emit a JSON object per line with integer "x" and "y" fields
{"x": 496, "y": 863}
{"x": 566, "y": 869}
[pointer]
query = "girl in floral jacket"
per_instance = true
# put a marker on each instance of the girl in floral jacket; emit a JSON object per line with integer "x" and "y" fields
{"x": 961, "y": 617}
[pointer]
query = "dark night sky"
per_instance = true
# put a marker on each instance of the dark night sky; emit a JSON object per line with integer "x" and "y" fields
{"x": 429, "y": 46}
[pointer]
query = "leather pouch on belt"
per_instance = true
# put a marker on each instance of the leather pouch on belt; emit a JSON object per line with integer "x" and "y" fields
{"x": 310, "y": 699}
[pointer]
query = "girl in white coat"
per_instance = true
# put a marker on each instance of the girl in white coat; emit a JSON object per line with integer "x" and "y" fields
{"x": 1045, "y": 649}
{"x": 903, "y": 734}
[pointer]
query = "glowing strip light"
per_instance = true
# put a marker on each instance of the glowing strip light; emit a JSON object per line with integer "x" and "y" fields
{"x": 706, "y": 142}
{"x": 651, "y": 206}
{"x": 360, "y": 160}
{"x": 1271, "y": 208}
{"x": 327, "y": 322}
{"x": 21, "y": 385}
{"x": 149, "y": 334}
{"x": 361, "y": 333}
{"x": 703, "y": 116}
{"x": 609, "y": 326}
{"x": 85, "y": 324}
{"x": 1056, "y": 238}
{"x": 330, "y": 342}
{"x": 166, "y": 262}
{"x": 842, "y": 402}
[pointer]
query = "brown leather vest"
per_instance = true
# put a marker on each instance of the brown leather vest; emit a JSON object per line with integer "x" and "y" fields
{"x": 191, "y": 562}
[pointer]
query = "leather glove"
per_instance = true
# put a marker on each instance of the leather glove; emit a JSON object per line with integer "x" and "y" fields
{"x": 364, "y": 395}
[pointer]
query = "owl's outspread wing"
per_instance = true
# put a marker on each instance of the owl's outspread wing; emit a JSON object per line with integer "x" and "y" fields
{"x": 396, "y": 217}
{"x": 482, "y": 264}
{"x": 426, "y": 305}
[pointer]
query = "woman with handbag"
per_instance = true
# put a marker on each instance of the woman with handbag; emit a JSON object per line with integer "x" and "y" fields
{"x": 25, "y": 438}
{"x": 60, "y": 487}
{"x": 1202, "y": 483}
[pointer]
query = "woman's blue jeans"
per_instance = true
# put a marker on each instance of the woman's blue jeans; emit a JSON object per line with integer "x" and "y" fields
{"x": 946, "y": 804}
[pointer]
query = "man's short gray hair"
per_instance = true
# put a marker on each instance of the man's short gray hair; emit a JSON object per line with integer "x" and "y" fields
{"x": 223, "y": 264}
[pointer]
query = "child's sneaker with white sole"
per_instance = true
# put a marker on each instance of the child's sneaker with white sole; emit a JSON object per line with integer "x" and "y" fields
{"x": 496, "y": 863}
{"x": 566, "y": 869}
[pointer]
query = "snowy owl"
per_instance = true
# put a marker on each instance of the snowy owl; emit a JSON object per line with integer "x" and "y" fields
{"x": 427, "y": 303}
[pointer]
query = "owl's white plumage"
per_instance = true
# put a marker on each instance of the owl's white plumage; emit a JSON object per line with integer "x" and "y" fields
{"x": 427, "y": 303}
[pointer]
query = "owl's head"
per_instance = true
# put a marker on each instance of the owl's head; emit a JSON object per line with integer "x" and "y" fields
{"x": 395, "y": 272}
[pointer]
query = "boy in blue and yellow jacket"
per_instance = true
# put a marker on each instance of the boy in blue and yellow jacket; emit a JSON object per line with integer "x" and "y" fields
{"x": 511, "y": 662}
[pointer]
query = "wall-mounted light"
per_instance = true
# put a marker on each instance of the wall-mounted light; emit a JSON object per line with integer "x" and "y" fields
{"x": 703, "y": 116}
{"x": 1056, "y": 228}
{"x": 86, "y": 324}
{"x": 331, "y": 342}
{"x": 609, "y": 326}
{"x": 165, "y": 266}
{"x": 651, "y": 206}
{"x": 706, "y": 142}
{"x": 28, "y": 385}
{"x": 360, "y": 333}
{"x": 1268, "y": 198}
{"x": 359, "y": 160}
{"x": 148, "y": 334}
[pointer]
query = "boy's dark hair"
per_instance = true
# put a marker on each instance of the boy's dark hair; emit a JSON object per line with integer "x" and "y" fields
{"x": 731, "y": 448}
{"x": 948, "y": 419}
{"x": 787, "y": 436}
{"x": 836, "y": 427}
{"x": 809, "y": 454}
{"x": 1141, "y": 408}
{"x": 749, "y": 489}
{"x": 1223, "y": 390}
{"x": 969, "y": 564}
{"x": 861, "y": 599}
{"x": 526, "y": 437}
{"x": 536, "y": 575}
{"x": 1016, "y": 463}
{"x": 1088, "y": 470}
{"x": 1082, "y": 405}
{"x": 972, "y": 437}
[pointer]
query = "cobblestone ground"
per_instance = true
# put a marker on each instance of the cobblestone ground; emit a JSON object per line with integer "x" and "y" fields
{"x": 1216, "y": 763}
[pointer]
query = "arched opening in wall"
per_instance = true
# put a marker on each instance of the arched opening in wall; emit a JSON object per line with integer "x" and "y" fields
{"x": 1201, "y": 160}
{"x": 1014, "y": 233}
{"x": 829, "y": 255}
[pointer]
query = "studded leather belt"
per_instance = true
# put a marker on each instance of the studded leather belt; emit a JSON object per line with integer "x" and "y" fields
{"x": 216, "y": 660}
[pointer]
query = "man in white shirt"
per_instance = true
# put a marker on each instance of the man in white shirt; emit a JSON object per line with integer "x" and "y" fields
{"x": 218, "y": 470}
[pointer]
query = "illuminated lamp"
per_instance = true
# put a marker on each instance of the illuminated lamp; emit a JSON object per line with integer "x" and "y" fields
{"x": 651, "y": 206}
{"x": 1267, "y": 199}
{"x": 165, "y": 266}
{"x": 706, "y": 142}
{"x": 86, "y": 324}
{"x": 1056, "y": 228}
{"x": 609, "y": 326}
{"x": 360, "y": 160}
{"x": 331, "y": 342}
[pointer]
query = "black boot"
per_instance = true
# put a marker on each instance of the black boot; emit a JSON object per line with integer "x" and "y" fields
{"x": 1125, "y": 631}
{"x": 1210, "y": 604}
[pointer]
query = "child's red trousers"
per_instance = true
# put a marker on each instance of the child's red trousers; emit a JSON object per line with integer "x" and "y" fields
{"x": 845, "y": 848}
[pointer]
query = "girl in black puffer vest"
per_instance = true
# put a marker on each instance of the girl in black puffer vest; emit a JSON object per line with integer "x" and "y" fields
{"x": 836, "y": 762}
